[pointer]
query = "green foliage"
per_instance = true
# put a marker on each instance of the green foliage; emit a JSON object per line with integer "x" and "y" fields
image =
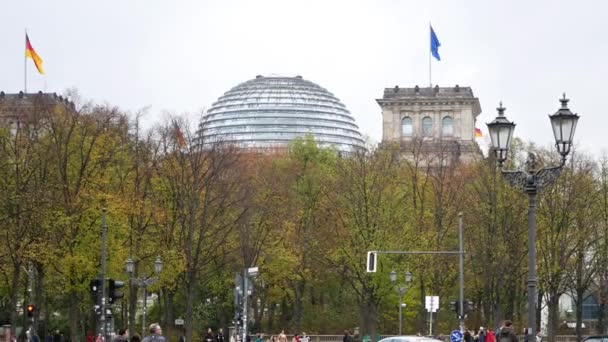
{"x": 306, "y": 217}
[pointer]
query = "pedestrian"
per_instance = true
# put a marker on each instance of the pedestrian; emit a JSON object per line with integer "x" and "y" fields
{"x": 220, "y": 335}
{"x": 490, "y": 336}
{"x": 135, "y": 338}
{"x": 234, "y": 337}
{"x": 305, "y": 337}
{"x": 347, "y": 337}
{"x": 282, "y": 336}
{"x": 259, "y": 337}
{"x": 296, "y": 338}
{"x": 467, "y": 336}
{"x": 123, "y": 335}
{"x": 209, "y": 336}
{"x": 481, "y": 335}
{"x": 506, "y": 333}
{"x": 156, "y": 334}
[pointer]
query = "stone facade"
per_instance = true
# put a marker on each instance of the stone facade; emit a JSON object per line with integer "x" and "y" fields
{"x": 431, "y": 121}
{"x": 20, "y": 106}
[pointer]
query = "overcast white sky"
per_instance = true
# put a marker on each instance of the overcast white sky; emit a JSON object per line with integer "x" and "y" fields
{"x": 180, "y": 56}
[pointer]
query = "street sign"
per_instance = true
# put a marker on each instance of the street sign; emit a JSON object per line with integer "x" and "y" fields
{"x": 431, "y": 303}
{"x": 252, "y": 271}
{"x": 179, "y": 321}
{"x": 456, "y": 336}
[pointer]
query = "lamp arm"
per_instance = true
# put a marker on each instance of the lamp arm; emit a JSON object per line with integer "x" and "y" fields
{"x": 517, "y": 179}
{"x": 548, "y": 175}
{"x": 141, "y": 282}
{"x": 533, "y": 180}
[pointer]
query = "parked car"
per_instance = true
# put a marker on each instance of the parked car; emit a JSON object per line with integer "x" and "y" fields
{"x": 414, "y": 338}
{"x": 596, "y": 338}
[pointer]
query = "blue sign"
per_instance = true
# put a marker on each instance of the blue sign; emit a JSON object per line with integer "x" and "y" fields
{"x": 456, "y": 336}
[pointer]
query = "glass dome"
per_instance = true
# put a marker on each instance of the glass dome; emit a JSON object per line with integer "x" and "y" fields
{"x": 268, "y": 112}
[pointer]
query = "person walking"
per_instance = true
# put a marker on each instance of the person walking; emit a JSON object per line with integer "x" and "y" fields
{"x": 305, "y": 338}
{"x": 481, "y": 335}
{"x": 220, "y": 335}
{"x": 123, "y": 335}
{"x": 156, "y": 334}
{"x": 282, "y": 336}
{"x": 209, "y": 336}
{"x": 506, "y": 333}
{"x": 490, "y": 336}
{"x": 347, "y": 337}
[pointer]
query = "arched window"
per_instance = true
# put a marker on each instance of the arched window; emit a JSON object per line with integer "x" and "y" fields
{"x": 427, "y": 126}
{"x": 447, "y": 126}
{"x": 406, "y": 126}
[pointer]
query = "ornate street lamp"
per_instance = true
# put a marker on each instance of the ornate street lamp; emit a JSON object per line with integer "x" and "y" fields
{"x": 564, "y": 124}
{"x": 401, "y": 290}
{"x": 501, "y": 132}
{"x": 531, "y": 180}
{"x": 143, "y": 282}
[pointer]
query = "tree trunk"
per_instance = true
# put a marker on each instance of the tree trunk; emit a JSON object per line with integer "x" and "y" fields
{"x": 73, "y": 317}
{"x": 422, "y": 311}
{"x": 38, "y": 295}
{"x": 579, "y": 314}
{"x": 369, "y": 317}
{"x": 14, "y": 295}
{"x": 132, "y": 307}
{"x": 553, "y": 307}
{"x": 190, "y": 297}
{"x": 296, "y": 321}
{"x": 539, "y": 306}
{"x": 169, "y": 316}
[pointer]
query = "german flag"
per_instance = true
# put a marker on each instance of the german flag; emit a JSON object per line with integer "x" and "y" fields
{"x": 179, "y": 136}
{"x": 31, "y": 53}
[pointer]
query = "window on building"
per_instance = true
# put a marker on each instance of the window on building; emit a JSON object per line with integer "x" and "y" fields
{"x": 427, "y": 126}
{"x": 590, "y": 308}
{"x": 406, "y": 126}
{"x": 447, "y": 126}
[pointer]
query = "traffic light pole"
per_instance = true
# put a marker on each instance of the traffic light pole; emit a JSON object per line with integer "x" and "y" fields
{"x": 372, "y": 261}
{"x": 246, "y": 294}
{"x": 102, "y": 320}
{"x": 461, "y": 275}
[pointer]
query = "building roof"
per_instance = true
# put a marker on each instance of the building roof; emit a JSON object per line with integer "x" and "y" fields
{"x": 271, "y": 111}
{"x": 12, "y": 105}
{"x": 430, "y": 96}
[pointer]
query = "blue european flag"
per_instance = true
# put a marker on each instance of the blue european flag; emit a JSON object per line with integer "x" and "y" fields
{"x": 435, "y": 44}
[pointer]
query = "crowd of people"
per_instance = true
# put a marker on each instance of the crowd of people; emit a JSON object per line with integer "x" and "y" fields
{"x": 505, "y": 333}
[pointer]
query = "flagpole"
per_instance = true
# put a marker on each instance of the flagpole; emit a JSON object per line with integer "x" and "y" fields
{"x": 430, "y": 62}
{"x": 25, "y": 68}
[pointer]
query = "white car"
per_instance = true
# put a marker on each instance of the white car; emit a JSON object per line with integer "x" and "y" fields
{"x": 412, "y": 338}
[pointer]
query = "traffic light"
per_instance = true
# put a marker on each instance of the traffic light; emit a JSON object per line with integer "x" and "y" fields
{"x": 371, "y": 261}
{"x": 30, "y": 309}
{"x": 113, "y": 294}
{"x": 95, "y": 286}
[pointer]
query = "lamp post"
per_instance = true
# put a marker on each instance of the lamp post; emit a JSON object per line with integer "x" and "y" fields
{"x": 401, "y": 291}
{"x": 144, "y": 282}
{"x": 243, "y": 289}
{"x": 532, "y": 179}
